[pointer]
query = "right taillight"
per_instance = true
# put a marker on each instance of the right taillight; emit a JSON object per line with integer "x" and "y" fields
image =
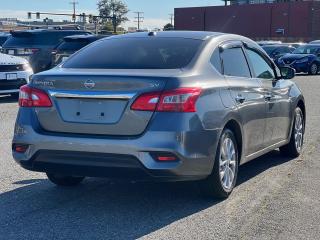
{"x": 177, "y": 100}
{"x": 32, "y": 97}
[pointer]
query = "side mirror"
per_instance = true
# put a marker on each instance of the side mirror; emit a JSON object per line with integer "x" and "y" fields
{"x": 287, "y": 72}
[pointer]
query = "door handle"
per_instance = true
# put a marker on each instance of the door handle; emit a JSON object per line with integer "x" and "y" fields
{"x": 240, "y": 99}
{"x": 268, "y": 96}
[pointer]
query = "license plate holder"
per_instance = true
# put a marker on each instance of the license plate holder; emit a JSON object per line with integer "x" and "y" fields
{"x": 11, "y": 76}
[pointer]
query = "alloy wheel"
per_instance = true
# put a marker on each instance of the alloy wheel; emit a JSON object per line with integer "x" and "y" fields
{"x": 298, "y": 131}
{"x": 314, "y": 69}
{"x": 227, "y": 163}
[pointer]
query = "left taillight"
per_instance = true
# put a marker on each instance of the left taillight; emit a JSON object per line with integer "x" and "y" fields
{"x": 177, "y": 100}
{"x": 32, "y": 97}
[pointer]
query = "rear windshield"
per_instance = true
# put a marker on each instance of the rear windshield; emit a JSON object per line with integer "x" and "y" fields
{"x": 44, "y": 38}
{"x": 72, "y": 45}
{"x": 307, "y": 50}
{"x": 136, "y": 53}
{"x": 269, "y": 49}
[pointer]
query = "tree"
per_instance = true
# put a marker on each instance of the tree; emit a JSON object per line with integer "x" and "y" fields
{"x": 113, "y": 11}
{"x": 168, "y": 27}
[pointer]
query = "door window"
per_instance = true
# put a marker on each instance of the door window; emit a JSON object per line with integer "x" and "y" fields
{"x": 260, "y": 67}
{"x": 234, "y": 63}
{"x": 216, "y": 60}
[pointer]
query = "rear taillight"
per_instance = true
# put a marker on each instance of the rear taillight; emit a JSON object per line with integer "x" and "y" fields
{"x": 32, "y": 97}
{"x": 146, "y": 102}
{"x": 178, "y": 100}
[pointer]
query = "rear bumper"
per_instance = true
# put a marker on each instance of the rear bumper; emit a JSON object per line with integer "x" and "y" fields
{"x": 120, "y": 158}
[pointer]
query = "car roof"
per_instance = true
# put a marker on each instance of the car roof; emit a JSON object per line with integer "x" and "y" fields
{"x": 85, "y": 36}
{"x": 46, "y": 30}
{"x": 198, "y": 35}
{"x": 277, "y": 45}
{"x": 313, "y": 44}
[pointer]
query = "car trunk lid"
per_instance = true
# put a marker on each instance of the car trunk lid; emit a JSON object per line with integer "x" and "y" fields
{"x": 97, "y": 102}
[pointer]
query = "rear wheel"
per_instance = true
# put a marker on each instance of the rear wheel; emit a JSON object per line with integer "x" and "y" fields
{"x": 224, "y": 174}
{"x": 294, "y": 147}
{"x": 62, "y": 180}
{"x": 313, "y": 69}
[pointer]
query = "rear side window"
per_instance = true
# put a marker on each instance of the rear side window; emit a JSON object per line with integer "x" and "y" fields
{"x": 234, "y": 63}
{"x": 260, "y": 67}
{"x": 136, "y": 53}
{"x": 216, "y": 60}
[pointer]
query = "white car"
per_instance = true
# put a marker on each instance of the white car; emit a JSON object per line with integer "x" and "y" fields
{"x": 14, "y": 72}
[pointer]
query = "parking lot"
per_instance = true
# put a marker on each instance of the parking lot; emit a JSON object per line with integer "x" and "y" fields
{"x": 276, "y": 198}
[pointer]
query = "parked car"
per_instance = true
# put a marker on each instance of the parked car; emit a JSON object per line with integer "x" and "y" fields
{"x": 169, "y": 106}
{"x": 295, "y": 44}
{"x": 263, "y": 43}
{"x": 315, "y": 42}
{"x": 304, "y": 59}
{"x": 277, "y": 51}
{"x": 36, "y": 45}
{"x": 70, "y": 45}
{"x": 14, "y": 72}
{"x": 3, "y": 38}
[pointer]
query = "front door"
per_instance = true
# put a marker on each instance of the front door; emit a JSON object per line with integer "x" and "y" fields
{"x": 276, "y": 96}
{"x": 246, "y": 92}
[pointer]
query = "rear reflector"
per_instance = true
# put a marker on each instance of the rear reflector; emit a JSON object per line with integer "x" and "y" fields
{"x": 20, "y": 148}
{"x": 178, "y": 100}
{"x": 32, "y": 97}
{"x": 166, "y": 158}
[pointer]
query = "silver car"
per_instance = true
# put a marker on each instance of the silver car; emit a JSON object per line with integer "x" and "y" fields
{"x": 167, "y": 106}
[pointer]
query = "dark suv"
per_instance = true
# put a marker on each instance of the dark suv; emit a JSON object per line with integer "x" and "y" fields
{"x": 70, "y": 45}
{"x": 36, "y": 45}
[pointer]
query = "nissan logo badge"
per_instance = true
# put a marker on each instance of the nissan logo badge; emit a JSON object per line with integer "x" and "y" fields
{"x": 89, "y": 84}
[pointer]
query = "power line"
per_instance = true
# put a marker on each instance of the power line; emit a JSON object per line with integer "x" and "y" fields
{"x": 139, "y": 18}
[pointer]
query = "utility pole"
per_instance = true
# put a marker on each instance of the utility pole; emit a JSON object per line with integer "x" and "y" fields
{"x": 74, "y": 3}
{"x": 139, "y": 18}
{"x": 171, "y": 18}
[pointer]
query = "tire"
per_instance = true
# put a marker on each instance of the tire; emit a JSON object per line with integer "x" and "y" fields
{"x": 216, "y": 185}
{"x": 294, "y": 147}
{"x": 61, "y": 180}
{"x": 313, "y": 69}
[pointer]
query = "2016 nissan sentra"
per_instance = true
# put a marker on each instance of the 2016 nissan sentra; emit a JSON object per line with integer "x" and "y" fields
{"x": 169, "y": 106}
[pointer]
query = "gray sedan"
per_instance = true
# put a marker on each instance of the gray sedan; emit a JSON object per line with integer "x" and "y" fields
{"x": 167, "y": 106}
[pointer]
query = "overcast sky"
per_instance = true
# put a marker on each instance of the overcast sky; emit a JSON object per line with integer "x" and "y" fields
{"x": 156, "y": 11}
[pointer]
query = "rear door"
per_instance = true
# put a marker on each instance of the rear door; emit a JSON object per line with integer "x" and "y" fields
{"x": 275, "y": 95}
{"x": 246, "y": 92}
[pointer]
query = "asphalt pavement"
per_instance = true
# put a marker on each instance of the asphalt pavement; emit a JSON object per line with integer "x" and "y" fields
{"x": 276, "y": 197}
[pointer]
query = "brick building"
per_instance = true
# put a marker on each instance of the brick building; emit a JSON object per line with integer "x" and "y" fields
{"x": 286, "y": 21}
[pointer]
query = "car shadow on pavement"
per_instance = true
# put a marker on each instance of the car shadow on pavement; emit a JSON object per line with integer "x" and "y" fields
{"x": 104, "y": 209}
